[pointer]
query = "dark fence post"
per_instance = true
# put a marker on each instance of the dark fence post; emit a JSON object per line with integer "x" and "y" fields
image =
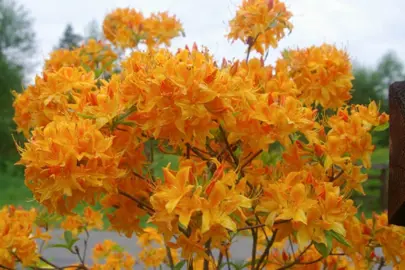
{"x": 384, "y": 189}
{"x": 396, "y": 186}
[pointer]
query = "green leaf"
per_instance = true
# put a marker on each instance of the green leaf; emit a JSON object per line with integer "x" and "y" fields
{"x": 68, "y": 236}
{"x": 382, "y": 127}
{"x": 339, "y": 238}
{"x": 69, "y": 239}
{"x": 98, "y": 72}
{"x": 58, "y": 246}
{"x": 179, "y": 265}
{"x": 117, "y": 248}
{"x": 86, "y": 67}
{"x": 323, "y": 249}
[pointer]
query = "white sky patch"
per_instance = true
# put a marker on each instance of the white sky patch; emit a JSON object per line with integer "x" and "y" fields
{"x": 367, "y": 29}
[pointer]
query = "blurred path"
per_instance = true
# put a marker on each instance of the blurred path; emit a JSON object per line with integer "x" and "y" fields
{"x": 239, "y": 250}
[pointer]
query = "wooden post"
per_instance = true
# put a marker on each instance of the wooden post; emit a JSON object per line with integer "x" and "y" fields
{"x": 396, "y": 186}
{"x": 384, "y": 189}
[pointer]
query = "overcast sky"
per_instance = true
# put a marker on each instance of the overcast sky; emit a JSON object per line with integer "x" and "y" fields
{"x": 366, "y": 28}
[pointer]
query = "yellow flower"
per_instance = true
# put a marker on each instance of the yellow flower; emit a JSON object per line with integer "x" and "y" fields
{"x": 67, "y": 162}
{"x": 17, "y": 239}
{"x": 322, "y": 74}
{"x": 152, "y": 257}
{"x": 259, "y": 24}
{"x": 113, "y": 255}
{"x": 127, "y": 28}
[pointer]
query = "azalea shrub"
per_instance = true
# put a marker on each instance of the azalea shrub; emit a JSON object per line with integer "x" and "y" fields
{"x": 270, "y": 153}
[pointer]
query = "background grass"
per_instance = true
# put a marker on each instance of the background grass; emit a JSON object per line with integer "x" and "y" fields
{"x": 371, "y": 201}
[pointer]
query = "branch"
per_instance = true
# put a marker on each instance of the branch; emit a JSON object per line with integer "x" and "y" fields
{"x": 170, "y": 257}
{"x": 251, "y": 44}
{"x": 254, "y": 247}
{"x": 81, "y": 259}
{"x": 297, "y": 260}
{"x": 5, "y": 267}
{"x": 140, "y": 176}
{"x": 263, "y": 225}
{"x": 49, "y": 263}
{"x": 195, "y": 151}
{"x": 228, "y": 146}
{"x": 292, "y": 246}
{"x": 228, "y": 262}
{"x": 140, "y": 203}
{"x": 86, "y": 241}
{"x": 250, "y": 159}
{"x": 333, "y": 177}
{"x": 267, "y": 250}
{"x": 207, "y": 247}
{"x": 220, "y": 258}
{"x": 382, "y": 263}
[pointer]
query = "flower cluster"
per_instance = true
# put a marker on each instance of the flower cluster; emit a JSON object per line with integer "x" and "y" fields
{"x": 260, "y": 24}
{"x": 188, "y": 154}
{"x": 93, "y": 55}
{"x": 18, "y": 235}
{"x": 127, "y": 28}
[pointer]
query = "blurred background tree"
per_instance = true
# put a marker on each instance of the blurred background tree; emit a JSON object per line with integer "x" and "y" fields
{"x": 93, "y": 31}
{"x": 69, "y": 39}
{"x": 17, "y": 45}
{"x": 372, "y": 84}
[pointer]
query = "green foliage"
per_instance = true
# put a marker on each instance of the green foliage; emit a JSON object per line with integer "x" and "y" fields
{"x": 325, "y": 248}
{"x": 10, "y": 78}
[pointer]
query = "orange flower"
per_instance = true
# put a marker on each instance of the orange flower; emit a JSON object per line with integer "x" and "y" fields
{"x": 17, "y": 239}
{"x": 260, "y": 24}
{"x": 322, "y": 74}
{"x": 67, "y": 162}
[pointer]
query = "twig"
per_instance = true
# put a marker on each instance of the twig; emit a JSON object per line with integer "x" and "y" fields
{"x": 140, "y": 203}
{"x": 49, "y": 263}
{"x": 195, "y": 151}
{"x": 311, "y": 262}
{"x": 264, "y": 231}
{"x": 297, "y": 260}
{"x": 228, "y": 262}
{"x": 251, "y": 227}
{"x": 212, "y": 165}
{"x": 263, "y": 225}
{"x": 292, "y": 247}
{"x": 209, "y": 148}
{"x": 140, "y": 176}
{"x": 254, "y": 247}
{"x": 228, "y": 146}
{"x": 220, "y": 258}
{"x": 170, "y": 257}
{"x": 86, "y": 241}
{"x": 250, "y": 159}
{"x": 333, "y": 177}
{"x": 188, "y": 151}
{"x": 207, "y": 247}
{"x": 251, "y": 44}
{"x": 78, "y": 255}
{"x": 267, "y": 250}
{"x": 382, "y": 263}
